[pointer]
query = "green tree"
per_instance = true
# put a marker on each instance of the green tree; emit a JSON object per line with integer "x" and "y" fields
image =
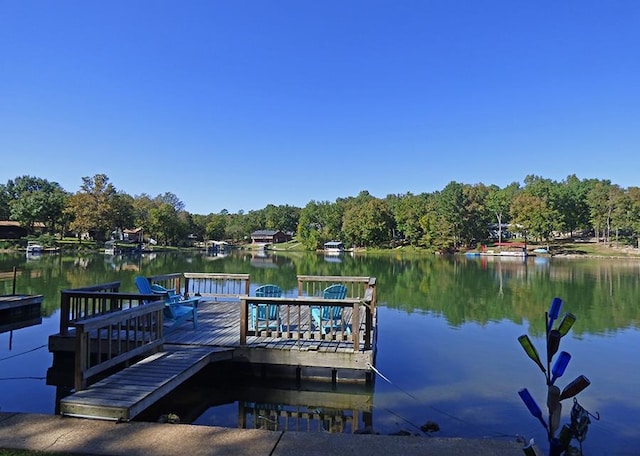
{"x": 253, "y": 220}
{"x": 498, "y": 203}
{"x": 451, "y": 214}
{"x": 476, "y": 215}
{"x": 600, "y": 208}
{"x": 533, "y": 216}
{"x": 5, "y": 208}
{"x": 572, "y": 204}
{"x": 407, "y": 210}
{"x": 32, "y": 199}
{"x": 123, "y": 211}
{"x": 634, "y": 212}
{"x": 368, "y": 224}
{"x": 171, "y": 199}
{"x": 164, "y": 223}
{"x": 319, "y": 222}
{"x": 142, "y": 205}
{"x": 282, "y": 217}
{"x": 437, "y": 230}
{"x": 200, "y": 222}
{"x": 216, "y": 227}
{"x": 621, "y": 206}
{"x": 234, "y": 228}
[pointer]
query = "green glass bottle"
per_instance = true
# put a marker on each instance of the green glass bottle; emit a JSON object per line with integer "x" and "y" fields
{"x": 567, "y": 322}
{"x": 531, "y": 351}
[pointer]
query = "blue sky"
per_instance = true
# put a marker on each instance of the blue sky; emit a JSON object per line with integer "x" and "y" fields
{"x": 239, "y": 104}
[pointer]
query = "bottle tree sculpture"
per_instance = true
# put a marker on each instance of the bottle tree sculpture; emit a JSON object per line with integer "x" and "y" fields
{"x": 553, "y": 370}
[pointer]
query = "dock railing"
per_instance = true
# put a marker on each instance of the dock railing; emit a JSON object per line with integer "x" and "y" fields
{"x": 173, "y": 281}
{"x": 357, "y": 287}
{"x": 104, "y": 341}
{"x": 295, "y": 320}
{"x": 217, "y": 285}
{"x": 296, "y": 314}
{"x": 85, "y": 302}
{"x": 208, "y": 284}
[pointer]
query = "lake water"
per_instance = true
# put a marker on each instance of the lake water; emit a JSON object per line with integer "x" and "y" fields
{"x": 447, "y": 337}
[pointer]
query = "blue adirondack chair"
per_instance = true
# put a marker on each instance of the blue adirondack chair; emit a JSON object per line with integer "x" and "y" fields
{"x": 176, "y": 309}
{"x": 265, "y": 316}
{"x": 329, "y": 318}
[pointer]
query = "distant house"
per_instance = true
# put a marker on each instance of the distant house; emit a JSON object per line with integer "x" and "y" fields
{"x": 268, "y": 237}
{"x": 136, "y": 235}
{"x": 10, "y": 229}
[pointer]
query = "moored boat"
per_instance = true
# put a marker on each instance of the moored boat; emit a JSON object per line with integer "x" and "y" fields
{"x": 33, "y": 248}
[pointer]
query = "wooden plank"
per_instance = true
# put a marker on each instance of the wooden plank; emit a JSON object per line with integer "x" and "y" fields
{"x": 16, "y": 301}
{"x": 127, "y": 393}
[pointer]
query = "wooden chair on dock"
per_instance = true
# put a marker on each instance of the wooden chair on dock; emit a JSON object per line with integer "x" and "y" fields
{"x": 329, "y": 318}
{"x": 176, "y": 309}
{"x": 266, "y": 316}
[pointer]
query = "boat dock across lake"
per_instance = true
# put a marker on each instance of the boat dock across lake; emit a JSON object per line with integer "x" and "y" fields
{"x": 125, "y": 360}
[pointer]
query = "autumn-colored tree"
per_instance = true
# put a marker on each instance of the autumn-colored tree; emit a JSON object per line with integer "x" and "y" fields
{"x": 95, "y": 208}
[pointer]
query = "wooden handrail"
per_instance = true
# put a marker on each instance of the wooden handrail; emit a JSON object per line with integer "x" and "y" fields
{"x": 294, "y": 327}
{"x": 357, "y": 287}
{"x": 309, "y": 285}
{"x": 169, "y": 281}
{"x": 105, "y": 341}
{"x": 78, "y": 305}
{"x": 217, "y": 285}
{"x": 66, "y": 311}
{"x": 107, "y": 287}
{"x": 212, "y": 284}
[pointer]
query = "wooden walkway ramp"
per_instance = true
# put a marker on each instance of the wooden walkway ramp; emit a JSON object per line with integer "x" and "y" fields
{"x": 125, "y": 394}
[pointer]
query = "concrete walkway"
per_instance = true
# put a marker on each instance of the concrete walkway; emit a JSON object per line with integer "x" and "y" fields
{"x": 53, "y": 433}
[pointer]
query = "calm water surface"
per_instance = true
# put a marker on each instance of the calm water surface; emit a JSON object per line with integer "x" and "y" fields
{"x": 447, "y": 341}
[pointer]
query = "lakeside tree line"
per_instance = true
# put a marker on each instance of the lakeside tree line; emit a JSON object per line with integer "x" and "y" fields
{"x": 459, "y": 215}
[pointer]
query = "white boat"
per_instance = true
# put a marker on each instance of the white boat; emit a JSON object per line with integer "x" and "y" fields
{"x": 110, "y": 247}
{"x": 34, "y": 248}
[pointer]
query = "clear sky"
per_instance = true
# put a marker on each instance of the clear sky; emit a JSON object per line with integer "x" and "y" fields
{"x": 236, "y": 104}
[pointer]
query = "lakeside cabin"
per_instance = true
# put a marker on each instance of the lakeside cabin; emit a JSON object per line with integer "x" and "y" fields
{"x": 122, "y": 357}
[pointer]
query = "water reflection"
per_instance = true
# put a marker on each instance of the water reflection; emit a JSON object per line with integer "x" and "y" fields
{"x": 229, "y": 396}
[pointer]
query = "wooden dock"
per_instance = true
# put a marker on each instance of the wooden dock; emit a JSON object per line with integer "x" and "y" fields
{"x": 17, "y": 311}
{"x": 16, "y": 303}
{"x": 298, "y": 349}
